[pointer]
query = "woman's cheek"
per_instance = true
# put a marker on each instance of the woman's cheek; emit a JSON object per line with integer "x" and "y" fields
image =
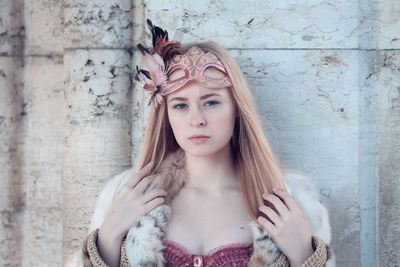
{"x": 178, "y": 129}
{"x": 227, "y": 119}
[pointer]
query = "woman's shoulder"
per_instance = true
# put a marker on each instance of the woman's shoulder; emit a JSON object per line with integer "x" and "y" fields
{"x": 299, "y": 184}
{"x": 106, "y": 197}
{"x": 117, "y": 181}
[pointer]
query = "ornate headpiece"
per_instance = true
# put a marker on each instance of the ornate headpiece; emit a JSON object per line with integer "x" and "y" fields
{"x": 165, "y": 70}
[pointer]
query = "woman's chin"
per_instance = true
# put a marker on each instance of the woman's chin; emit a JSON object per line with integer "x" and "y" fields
{"x": 202, "y": 151}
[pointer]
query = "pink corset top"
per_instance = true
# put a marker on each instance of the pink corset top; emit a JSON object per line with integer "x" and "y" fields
{"x": 237, "y": 255}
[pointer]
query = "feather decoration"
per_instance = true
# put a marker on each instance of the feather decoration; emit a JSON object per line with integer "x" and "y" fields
{"x": 153, "y": 76}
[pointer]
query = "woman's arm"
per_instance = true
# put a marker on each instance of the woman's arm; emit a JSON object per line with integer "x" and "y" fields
{"x": 320, "y": 254}
{"x": 109, "y": 246}
{"x": 91, "y": 256}
{"x": 128, "y": 205}
{"x": 90, "y": 250}
{"x": 319, "y": 257}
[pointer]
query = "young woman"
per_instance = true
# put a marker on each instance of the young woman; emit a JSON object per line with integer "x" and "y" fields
{"x": 209, "y": 190}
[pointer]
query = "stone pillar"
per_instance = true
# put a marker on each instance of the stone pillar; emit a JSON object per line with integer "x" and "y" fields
{"x": 11, "y": 130}
{"x": 389, "y": 157}
{"x": 368, "y": 132}
{"x": 387, "y": 76}
{"x": 139, "y": 96}
{"x": 45, "y": 116}
{"x": 97, "y": 64}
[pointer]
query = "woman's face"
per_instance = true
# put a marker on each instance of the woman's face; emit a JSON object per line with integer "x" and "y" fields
{"x": 195, "y": 110}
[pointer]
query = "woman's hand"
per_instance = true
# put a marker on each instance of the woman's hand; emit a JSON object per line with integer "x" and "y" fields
{"x": 130, "y": 203}
{"x": 286, "y": 222}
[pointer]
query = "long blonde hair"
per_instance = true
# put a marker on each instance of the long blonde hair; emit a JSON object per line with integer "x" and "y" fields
{"x": 258, "y": 167}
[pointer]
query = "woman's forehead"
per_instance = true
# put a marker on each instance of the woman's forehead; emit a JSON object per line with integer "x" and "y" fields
{"x": 195, "y": 89}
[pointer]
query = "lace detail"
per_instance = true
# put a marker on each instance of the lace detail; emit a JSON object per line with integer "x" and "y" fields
{"x": 235, "y": 254}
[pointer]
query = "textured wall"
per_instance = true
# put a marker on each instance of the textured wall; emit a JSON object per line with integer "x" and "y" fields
{"x": 43, "y": 140}
{"x": 326, "y": 75}
{"x": 389, "y": 157}
{"x": 97, "y": 64}
{"x": 326, "y": 78}
{"x": 11, "y": 131}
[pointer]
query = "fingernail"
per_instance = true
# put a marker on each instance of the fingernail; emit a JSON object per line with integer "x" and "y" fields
{"x": 275, "y": 189}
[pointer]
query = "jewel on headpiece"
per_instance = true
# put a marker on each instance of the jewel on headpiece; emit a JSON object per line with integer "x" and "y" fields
{"x": 195, "y": 64}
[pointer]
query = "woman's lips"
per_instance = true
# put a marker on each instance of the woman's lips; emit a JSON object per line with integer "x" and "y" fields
{"x": 199, "y": 139}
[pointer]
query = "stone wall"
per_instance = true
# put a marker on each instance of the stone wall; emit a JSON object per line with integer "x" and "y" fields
{"x": 326, "y": 75}
{"x": 12, "y": 113}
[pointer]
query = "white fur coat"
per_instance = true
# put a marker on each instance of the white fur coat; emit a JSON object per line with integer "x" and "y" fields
{"x": 144, "y": 241}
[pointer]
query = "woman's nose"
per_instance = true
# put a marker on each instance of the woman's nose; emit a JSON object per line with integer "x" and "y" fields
{"x": 197, "y": 119}
{"x": 199, "y": 123}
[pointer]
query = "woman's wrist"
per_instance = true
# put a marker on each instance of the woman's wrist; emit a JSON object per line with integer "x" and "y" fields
{"x": 299, "y": 259}
{"x": 318, "y": 257}
{"x": 108, "y": 246}
{"x": 108, "y": 234}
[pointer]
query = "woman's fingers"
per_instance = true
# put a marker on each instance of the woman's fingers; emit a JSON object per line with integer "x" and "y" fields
{"x": 152, "y": 204}
{"x": 150, "y": 200}
{"x": 290, "y": 203}
{"x": 153, "y": 194}
{"x": 271, "y": 229}
{"x": 145, "y": 171}
{"x": 277, "y": 203}
{"x": 144, "y": 183}
{"x": 288, "y": 225}
{"x": 272, "y": 216}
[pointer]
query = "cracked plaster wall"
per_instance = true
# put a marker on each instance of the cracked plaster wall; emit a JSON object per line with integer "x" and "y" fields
{"x": 326, "y": 79}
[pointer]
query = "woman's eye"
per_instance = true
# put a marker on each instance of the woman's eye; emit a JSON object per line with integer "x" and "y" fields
{"x": 212, "y": 103}
{"x": 180, "y": 106}
{"x": 185, "y": 106}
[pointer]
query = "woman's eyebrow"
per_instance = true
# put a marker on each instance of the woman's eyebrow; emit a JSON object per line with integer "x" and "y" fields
{"x": 209, "y": 95}
{"x": 202, "y": 97}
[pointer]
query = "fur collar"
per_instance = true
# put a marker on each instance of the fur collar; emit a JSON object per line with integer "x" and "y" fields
{"x": 144, "y": 241}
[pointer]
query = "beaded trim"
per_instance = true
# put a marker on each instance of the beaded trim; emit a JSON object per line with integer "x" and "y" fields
{"x": 282, "y": 261}
{"x": 124, "y": 262}
{"x": 94, "y": 255}
{"x": 319, "y": 257}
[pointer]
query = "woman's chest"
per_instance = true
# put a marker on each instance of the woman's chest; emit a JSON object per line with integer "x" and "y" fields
{"x": 201, "y": 225}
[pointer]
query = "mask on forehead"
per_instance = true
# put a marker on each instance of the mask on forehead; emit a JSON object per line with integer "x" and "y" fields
{"x": 164, "y": 69}
{"x": 195, "y": 64}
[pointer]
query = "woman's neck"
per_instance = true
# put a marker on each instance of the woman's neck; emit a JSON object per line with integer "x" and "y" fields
{"x": 212, "y": 173}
